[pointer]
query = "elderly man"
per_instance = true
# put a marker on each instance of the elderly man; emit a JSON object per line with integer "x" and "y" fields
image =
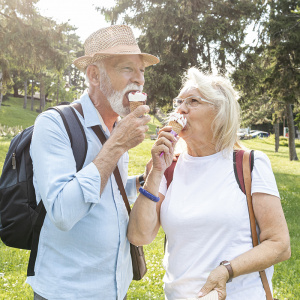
{"x": 83, "y": 251}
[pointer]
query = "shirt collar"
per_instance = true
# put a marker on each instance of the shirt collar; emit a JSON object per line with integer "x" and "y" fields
{"x": 91, "y": 115}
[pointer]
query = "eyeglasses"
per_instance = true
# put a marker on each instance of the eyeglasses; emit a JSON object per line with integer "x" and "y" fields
{"x": 191, "y": 101}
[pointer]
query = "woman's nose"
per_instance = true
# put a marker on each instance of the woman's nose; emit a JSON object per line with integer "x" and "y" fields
{"x": 182, "y": 108}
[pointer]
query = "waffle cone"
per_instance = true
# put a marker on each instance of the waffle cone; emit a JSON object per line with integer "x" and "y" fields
{"x": 175, "y": 126}
{"x": 135, "y": 104}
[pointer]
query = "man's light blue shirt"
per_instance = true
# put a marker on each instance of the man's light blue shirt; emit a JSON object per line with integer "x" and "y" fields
{"x": 83, "y": 250}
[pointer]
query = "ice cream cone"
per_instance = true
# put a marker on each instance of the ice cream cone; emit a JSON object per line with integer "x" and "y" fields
{"x": 175, "y": 126}
{"x": 135, "y": 104}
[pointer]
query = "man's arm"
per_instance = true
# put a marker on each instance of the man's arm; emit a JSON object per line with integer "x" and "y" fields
{"x": 56, "y": 180}
{"x": 128, "y": 133}
{"x": 59, "y": 185}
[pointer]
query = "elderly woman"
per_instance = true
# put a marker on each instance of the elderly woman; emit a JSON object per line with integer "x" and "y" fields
{"x": 203, "y": 212}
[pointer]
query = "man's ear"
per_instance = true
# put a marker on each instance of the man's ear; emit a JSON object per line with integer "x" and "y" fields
{"x": 93, "y": 75}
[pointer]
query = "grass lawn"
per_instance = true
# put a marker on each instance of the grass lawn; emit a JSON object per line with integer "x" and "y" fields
{"x": 13, "y": 262}
{"x": 12, "y": 112}
{"x": 286, "y": 278}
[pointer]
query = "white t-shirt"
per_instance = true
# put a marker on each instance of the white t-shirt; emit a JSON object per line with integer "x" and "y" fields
{"x": 206, "y": 220}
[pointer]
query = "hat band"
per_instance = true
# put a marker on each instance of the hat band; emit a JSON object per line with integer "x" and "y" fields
{"x": 119, "y": 49}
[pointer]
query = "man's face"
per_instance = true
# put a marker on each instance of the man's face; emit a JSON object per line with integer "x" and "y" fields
{"x": 123, "y": 75}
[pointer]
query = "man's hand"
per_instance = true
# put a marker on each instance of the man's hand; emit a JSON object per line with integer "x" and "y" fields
{"x": 130, "y": 131}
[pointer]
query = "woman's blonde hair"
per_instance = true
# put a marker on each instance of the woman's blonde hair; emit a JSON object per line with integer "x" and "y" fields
{"x": 219, "y": 90}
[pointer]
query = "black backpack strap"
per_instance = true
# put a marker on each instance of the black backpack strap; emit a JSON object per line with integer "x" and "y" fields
{"x": 238, "y": 167}
{"x": 78, "y": 140}
{"x": 36, "y": 237}
{"x": 75, "y": 132}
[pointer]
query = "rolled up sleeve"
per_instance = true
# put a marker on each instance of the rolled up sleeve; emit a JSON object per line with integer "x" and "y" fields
{"x": 68, "y": 195}
{"x": 263, "y": 179}
{"x": 90, "y": 181}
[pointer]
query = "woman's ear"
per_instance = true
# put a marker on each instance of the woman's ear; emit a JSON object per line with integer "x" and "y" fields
{"x": 92, "y": 73}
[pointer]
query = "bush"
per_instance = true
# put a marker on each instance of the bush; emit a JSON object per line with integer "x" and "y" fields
{"x": 9, "y": 132}
{"x": 283, "y": 141}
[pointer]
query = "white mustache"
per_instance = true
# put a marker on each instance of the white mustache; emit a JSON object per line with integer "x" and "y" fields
{"x": 131, "y": 87}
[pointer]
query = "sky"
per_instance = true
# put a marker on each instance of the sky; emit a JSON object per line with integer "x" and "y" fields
{"x": 79, "y": 13}
{"x": 82, "y": 14}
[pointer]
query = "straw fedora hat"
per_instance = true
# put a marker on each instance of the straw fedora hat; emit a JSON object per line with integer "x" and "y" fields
{"x": 111, "y": 41}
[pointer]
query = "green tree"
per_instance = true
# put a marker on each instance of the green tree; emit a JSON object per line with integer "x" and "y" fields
{"x": 4, "y": 77}
{"x": 258, "y": 107}
{"x": 34, "y": 47}
{"x": 284, "y": 76}
{"x": 270, "y": 71}
{"x": 14, "y": 15}
{"x": 184, "y": 33}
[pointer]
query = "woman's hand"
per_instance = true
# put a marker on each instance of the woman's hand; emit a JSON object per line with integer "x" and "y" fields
{"x": 164, "y": 144}
{"x": 216, "y": 281}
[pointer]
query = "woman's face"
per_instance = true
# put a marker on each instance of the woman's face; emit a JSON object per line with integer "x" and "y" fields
{"x": 199, "y": 115}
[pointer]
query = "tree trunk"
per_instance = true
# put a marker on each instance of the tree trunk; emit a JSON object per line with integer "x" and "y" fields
{"x": 222, "y": 58}
{"x": 42, "y": 94}
{"x": 276, "y": 130}
{"x": 25, "y": 95}
{"x": 290, "y": 121}
{"x": 16, "y": 90}
{"x": 44, "y": 101}
{"x": 57, "y": 92}
{"x": 192, "y": 51}
{"x": 1, "y": 95}
{"x": 208, "y": 56}
{"x": 32, "y": 94}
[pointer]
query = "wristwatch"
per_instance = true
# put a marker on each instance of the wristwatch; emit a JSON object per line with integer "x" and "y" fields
{"x": 141, "y": 180}
{"x": 227, "y": 265}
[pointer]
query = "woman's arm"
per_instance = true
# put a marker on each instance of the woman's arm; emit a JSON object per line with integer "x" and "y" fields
{"x": 274, "y": 237}
{"x": 274, "y": 245}
{"x": 144, "y": 221}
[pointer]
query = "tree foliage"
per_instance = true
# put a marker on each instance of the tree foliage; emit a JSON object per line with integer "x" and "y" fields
{"x": 184, "y": 33}
{"x": 34, "y": 47}
{"x": 271, "y": 71}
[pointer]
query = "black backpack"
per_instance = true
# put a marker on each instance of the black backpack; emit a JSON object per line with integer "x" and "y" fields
{"x": 21, "y": 219}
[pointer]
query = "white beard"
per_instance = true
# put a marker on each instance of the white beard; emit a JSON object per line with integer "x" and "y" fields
{"x": 115, "y": 98}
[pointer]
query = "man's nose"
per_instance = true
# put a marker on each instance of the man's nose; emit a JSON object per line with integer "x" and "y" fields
{"x": 138, "y": 78}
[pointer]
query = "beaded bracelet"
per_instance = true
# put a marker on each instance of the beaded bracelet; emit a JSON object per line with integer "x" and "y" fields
{"x": 148, "y": 195}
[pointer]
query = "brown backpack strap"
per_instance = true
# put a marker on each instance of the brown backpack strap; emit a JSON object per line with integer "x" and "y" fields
{"x": 238, "y": 167}
{"x": 121, "y": 188}
{"x": 170, "y": 170}
{"x": 78, "y": 107}
{"x": 247, "y": 181}
{"x": 116, "y": 172}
